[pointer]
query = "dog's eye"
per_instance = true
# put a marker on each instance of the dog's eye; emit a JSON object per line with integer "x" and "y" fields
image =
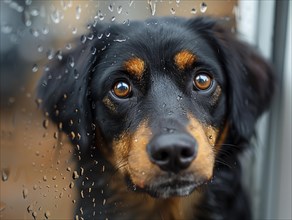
{"x": 122, "y": 89}
{"x": 202, "y": 81}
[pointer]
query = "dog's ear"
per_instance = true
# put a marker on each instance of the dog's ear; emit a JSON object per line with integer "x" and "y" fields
{"x": 64, "y": 91}
{"x": 251, "y": 81}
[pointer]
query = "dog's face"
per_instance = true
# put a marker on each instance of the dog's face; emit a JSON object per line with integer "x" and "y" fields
{"x": 162, "y": 95}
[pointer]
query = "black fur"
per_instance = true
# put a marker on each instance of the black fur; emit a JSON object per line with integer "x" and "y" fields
{"x": 72, "y": 95}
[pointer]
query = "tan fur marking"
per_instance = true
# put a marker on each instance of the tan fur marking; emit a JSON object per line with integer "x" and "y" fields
{"x": 135, "y": 66}
{"x": 109, "y": 104}
{"x": 184, "y": 59}
{"x": 222, "y": 137}
{"x": 204, "y": 162}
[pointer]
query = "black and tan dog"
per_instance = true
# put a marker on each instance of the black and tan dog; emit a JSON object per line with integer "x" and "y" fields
{"x": 158, "y": 112}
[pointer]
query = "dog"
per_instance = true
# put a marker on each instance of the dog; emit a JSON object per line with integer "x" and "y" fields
{"x": 158, "y": 112}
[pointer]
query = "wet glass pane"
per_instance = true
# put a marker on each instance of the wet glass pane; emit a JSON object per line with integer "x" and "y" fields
{"x": 40, "y": 168}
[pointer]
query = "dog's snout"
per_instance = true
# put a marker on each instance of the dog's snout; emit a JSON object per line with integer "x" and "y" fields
{"x": 172, "y": 152}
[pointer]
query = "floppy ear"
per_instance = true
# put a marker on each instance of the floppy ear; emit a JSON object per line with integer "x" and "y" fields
{"x": 65, "y": 95}
{"x": 251, "y": 81}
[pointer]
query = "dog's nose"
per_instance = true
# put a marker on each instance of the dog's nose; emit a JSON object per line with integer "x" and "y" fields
{"x": 172, "y": 152}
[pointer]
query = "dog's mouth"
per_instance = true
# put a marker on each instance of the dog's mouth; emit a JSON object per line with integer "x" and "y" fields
{"x": 171, "y": 186}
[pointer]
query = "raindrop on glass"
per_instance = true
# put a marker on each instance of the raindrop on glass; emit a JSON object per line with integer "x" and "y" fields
{"x": 193, "y": 11}
{"x": 34, "y": 12}
{"x": 50, "y": 54}
{"x": 71, "y": 61}
{"x": 56, "y": 16}
{"x": 90, "y": 36}
{"x": 74, "y": 30}
{"x": 78, "y": 12}
{"x": 76, "y": 74}
{"x": 93, "y": 50}
{"x": 113, "y": 18}
{"x": 59, "y": 55}
{"x": 40, "y": 48}
{"x": 4, "y": 176}
{"x": 34, "y": 32}
{"x": 45, "y": 30}
{"x": 26, "y": 18}
{"x": 203, "y": 7}
{"x": 25, "y": 193}
{"x": 152, "y": 7}
{"x": 110, "y": 8}
{"x": 35, "y": 68}
{"x": 46, "y": 123}
{"x": 83, "y": 39}
{"x": 34, "y": 215}
{"x": 28, "y": 2}
{"x": 6, "y": 29}
{"x": 120, "y": 9}
{"x": 75, "y": 175}
{"x": 99, "y": 36}
{"x": 172, "y": 11}
{"x": 68, "y": 46}
{"x": 131, "y": 3}
{"x": 47, "y": 214}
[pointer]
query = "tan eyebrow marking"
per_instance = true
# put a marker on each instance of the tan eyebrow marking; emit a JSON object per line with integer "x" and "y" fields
{"x": 184, "y": 59}
{"x": 135, "y": 66}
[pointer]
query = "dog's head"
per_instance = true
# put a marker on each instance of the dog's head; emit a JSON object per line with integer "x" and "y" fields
{"x": 158, "y": 98}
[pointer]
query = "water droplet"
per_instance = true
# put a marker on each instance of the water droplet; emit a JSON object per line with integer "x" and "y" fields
{"x": 210, "y": 137}
{"x": 152, "y": 7}
{"x": 120, "y": 40}
{"x": 203, "y": 7}
{"x": 71, "y": 185}
{"x": 131, "y": 3}
{"x": 74, "y": 30}
{"x": 103, "y": 202}
{"x": 68, "y": 46}
{"x": 76, "y": 74}
{"x": 75, "y": 175}
{"x": 45, "y": 178}
{"x": 71, "y": 61}
{"x": 99, "y": 36}
{"x": 78, "y": 12}
{"x": 6, "y": 29}
{"x": 40, "y": 48}
{"x": 93, "y": 50}
{"x": 4, "y": 175}
{"x": 35, "y": 68}
{"x": 120, "y": 9}
{"x": 25, "y": 193}
{"x": 29, "y": 208}
{"x": 34, "y": 215}
{"x": 56, "y": 16}
{"x": 134, "y": 187}
{"x": 34, "y": 12}
{"x": 50, "y": 54}
{"x": 83, "y": 39}
{"x": 108, "y": 34}
{"x": 46, "y": 123}
{"x": 113, "y": 18}
{"x": 90, "y": 36}
{"x": 193, "y": 11}
{"x": 47, "y": 214}
{"x": 110, "y": 8}
{"x": 34, "y": 32}
{"x": 68, "y": 169}
{"x": 45, "y": 30}
{"x": 172, "y": 11}
{"x": 28, "y": 2}
{"x": 59, "y": 55}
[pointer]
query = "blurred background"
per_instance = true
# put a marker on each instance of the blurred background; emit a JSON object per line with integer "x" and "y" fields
{"x": 36, "y": 165}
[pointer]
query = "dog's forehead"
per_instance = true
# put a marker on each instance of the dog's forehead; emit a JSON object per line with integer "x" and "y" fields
{"x": 158, "y": 45}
